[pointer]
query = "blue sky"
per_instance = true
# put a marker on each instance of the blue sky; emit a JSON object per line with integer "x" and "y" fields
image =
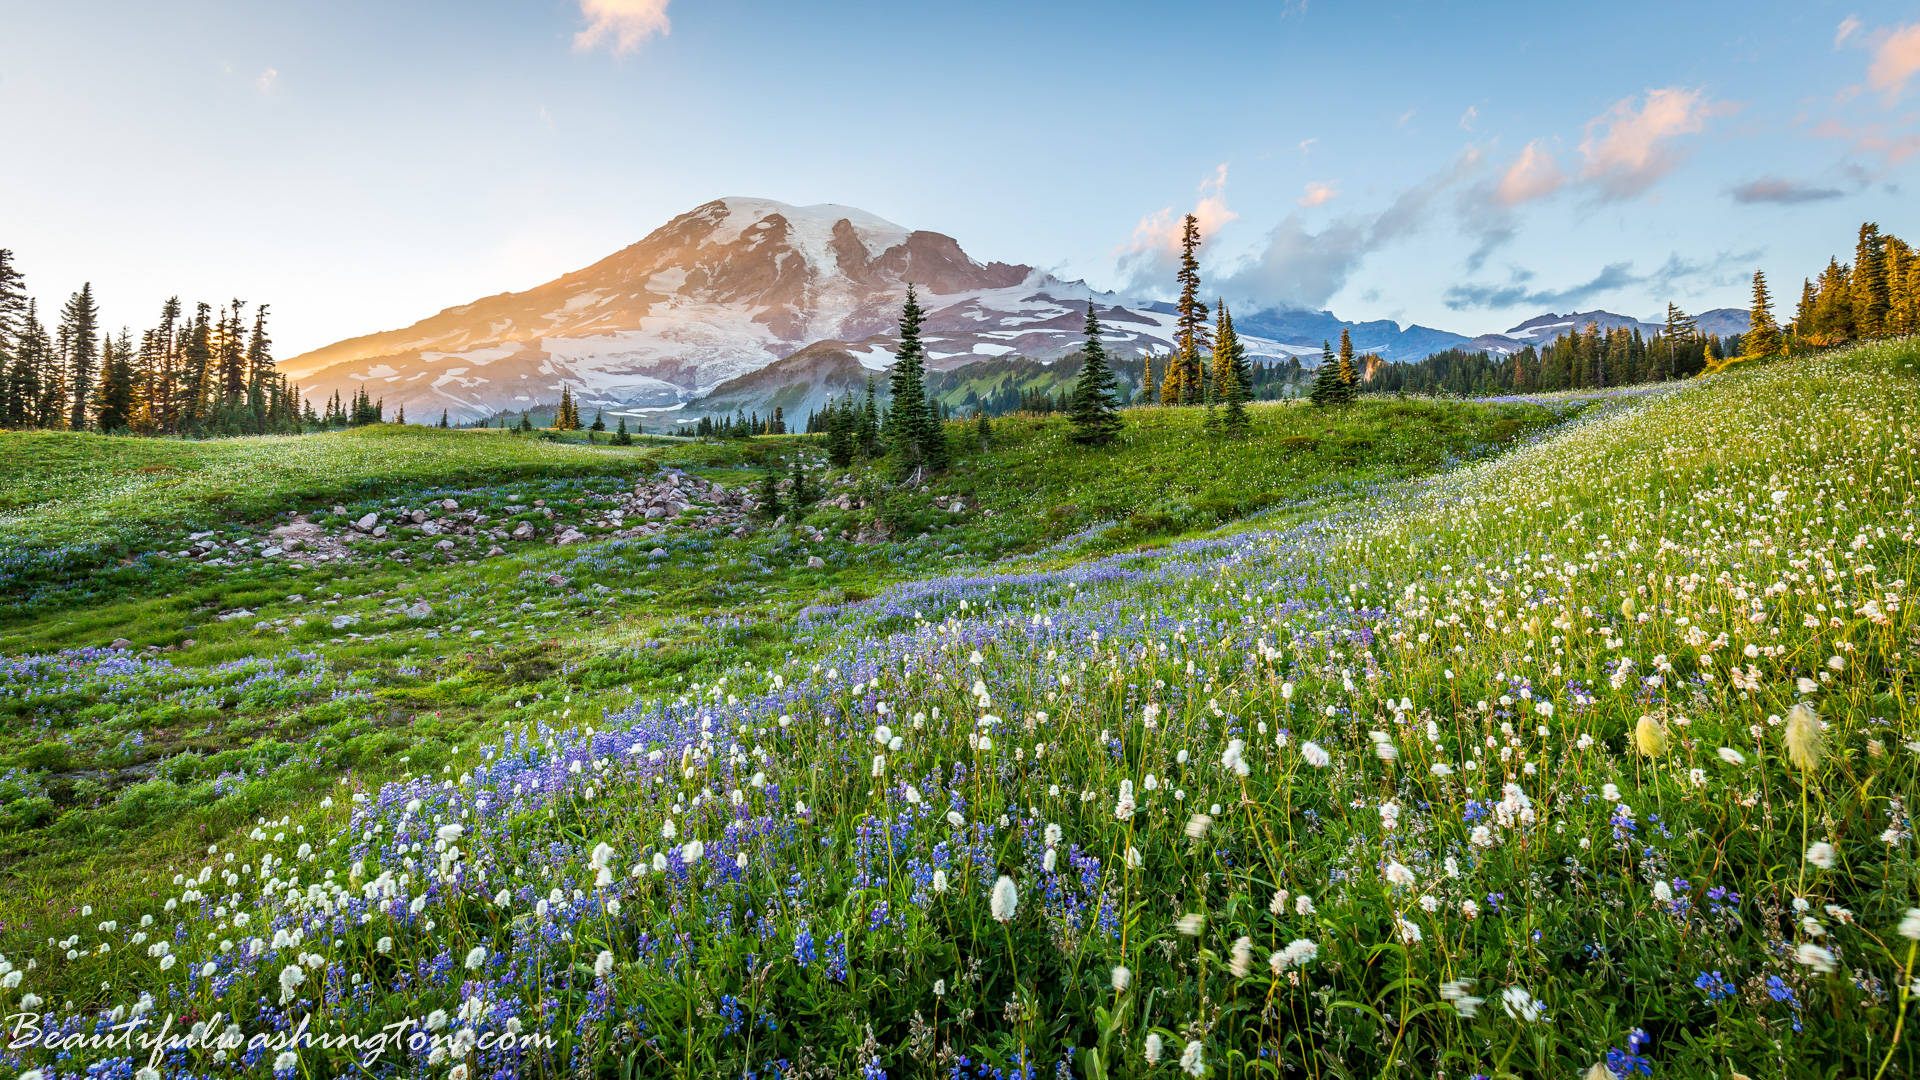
{"x": 362, "y": 165}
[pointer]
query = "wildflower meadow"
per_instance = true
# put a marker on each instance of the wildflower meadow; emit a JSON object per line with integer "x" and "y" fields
{"x": 1596, "y": 757}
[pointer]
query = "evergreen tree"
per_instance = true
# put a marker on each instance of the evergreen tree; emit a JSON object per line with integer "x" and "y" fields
{"x": 1870, "y": 293}
{"x": 13, "y": 311}
{"x": 1096, "y": 419}
{"x": 31, "y": 356}
{"x": 983, "y": 429}
{"x": 869, "y": 428}
{"x": 113, "y": 403}
{"x": 1232, "y": 376}
{"x": 443, "y": 418}
{"x": 50, "y": 406}
{"x": 1347, "y": 373}
{"x": 600, "y": 420}
{"x": 401, "y": 418}
{"x": 231, "y": 355}
{"x": 802, "y": 490}
{"x": 621, "y": 436}
{"x": 196, "y": 364}
{"x": 841, "y": 436}
{"x": 1330, "y": 387}
{"x": 770, "y": 507}
{"x": 1762, "y": 337}
{"x": 908, "y": 420}
{"x": 1184, "y": 374}
{"x": 80, "y": 347}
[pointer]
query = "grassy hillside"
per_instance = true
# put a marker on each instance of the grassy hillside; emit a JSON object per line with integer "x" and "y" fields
{"x": 1598, "y": 750}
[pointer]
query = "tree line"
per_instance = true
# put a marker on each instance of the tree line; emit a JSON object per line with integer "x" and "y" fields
{"x": 1876, "y": 295}
{"x": 192, "y": 374}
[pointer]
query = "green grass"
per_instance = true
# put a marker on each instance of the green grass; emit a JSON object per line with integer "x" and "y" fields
{"x": 107, "y": 774}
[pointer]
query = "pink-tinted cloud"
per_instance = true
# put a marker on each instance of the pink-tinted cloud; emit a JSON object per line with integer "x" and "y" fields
{"x": 621, "y": 25}
{"x": 1896, "y": 57}
{"x": 1847, "y": 26}
{"x": 1319, "y": 194}
{"x": 1533, "y": 175}
{"x": 1629, "y": 148}
{"x": 1890, "y": 147}
{"x": 1156, "y": 239}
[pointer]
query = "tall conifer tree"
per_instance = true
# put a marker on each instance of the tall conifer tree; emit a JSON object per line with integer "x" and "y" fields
{"x": 909, "y": 424}
{"x": 1096, "y": 418}
{"x": 1233, "y": 378}
{"x": 80, "y": 344}
{"x": 1190, "y": 321}
{"x": 1762, "y": 337}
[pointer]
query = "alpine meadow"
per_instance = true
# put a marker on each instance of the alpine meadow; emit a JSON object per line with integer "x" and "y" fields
{"x": 792, "y": 647}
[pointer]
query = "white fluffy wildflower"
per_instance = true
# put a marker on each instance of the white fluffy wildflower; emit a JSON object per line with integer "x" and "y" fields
{"x": 1454, "y": 992}
{"x": 1240, "y": 961}
{"x": 1193, "y": 1059}
{"x": 1821, "y": 854}
{"x": 1520, "y": 1004}
{"x": 1813, "y": 956}
{"x": 1005, "y": 899}
{"x": 476, "y": 956}
{"x": 1315, "y": 755}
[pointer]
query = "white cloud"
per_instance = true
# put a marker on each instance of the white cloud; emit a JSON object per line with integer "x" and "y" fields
{"x": 1847, "y": 26}
{"x": 1319, "y": 194}
{"x": 1467, "y": 118}
{"x": 621, "y": 25}
{"x": 265, "y": 81}
{"x": 1629, "y": 148}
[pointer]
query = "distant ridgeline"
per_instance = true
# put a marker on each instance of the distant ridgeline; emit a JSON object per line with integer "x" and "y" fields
{"x": 1877, "y": 295}
{"x": 198, "y": 374}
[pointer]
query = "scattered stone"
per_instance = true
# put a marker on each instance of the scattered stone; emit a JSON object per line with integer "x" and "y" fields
{"x": 444, "y": 545}
{"x": 495, "y": 550}
{"x": 236, "y": 613}
{"x": 523, "y": 531}
{"x": 340, "y": 622}
{"x": 658, "y": 553}
{"x": 339, "y": 511}
{"x": 121, "y": 644}
{"x": 557, "y": 580}
{"x": 449, "y": 505}
{"x": 571, "y": 536}
{"x": 366, "y": 524}
{"x": 815, "y": 562}
{"x": 429, "y": 529}
{"x": 420, "y": 610}
{"x": 957, "y": 507}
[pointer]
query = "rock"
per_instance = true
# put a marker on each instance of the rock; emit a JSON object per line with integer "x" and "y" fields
{"x": 429, "y": 529}
{"x": 657, "y": 553}
{"x": 523, "y": 531}
{"x": 420, "y": 610}
{"x": 558, "y": 581}
{"x": 340, "y": 622}
{"x": 815, "y": 562}
{"x": 271, "y": 551}
{"x": 495, "y": 550}
{"x": 654, "y": 513}
{"x": 121, "y": 644}
{"x": 379, "y": 531}
{"x": 187, "y": 644}
{"x": 444, "y": 545}
{"x": 366, "y": 523}
{"x": 449, "y": 505}
{"x": 339, "y": 511}
{"x": 571, "y": 536}
{"x": 957, "y": 507}
{"x": 236, "y": 613}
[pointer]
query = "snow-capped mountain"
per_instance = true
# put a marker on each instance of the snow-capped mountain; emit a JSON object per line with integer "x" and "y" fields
{"x": 721, "y": 291}
{"x": 731, "y": 300}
